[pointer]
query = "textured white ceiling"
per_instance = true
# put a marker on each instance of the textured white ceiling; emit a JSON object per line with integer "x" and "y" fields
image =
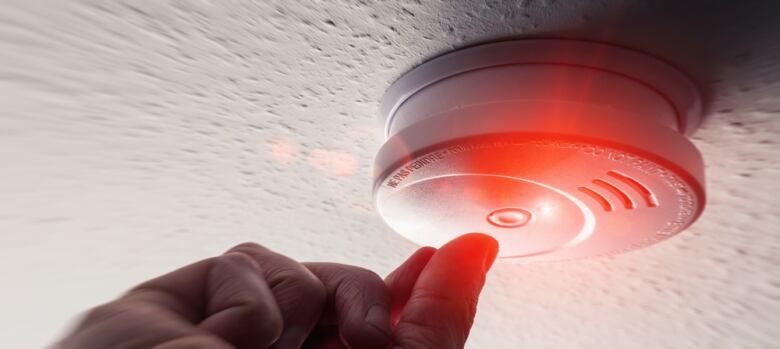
{"x": 137, "y": 136}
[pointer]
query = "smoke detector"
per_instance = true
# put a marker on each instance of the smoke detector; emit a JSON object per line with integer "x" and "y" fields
{"x": 559, "y": 149}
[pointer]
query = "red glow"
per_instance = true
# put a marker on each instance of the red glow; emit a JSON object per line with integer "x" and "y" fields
{"x": 284, "y": 150}
{"x": 333, "y": 162}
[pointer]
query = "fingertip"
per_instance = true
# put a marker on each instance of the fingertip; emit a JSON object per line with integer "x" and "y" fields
{"x": 491, "y": 247}
{"x": 476, "y": 246}
{"x": 425, "y": 251}
{"x": 478, "y": 238}
{"x": 419, "y": 258}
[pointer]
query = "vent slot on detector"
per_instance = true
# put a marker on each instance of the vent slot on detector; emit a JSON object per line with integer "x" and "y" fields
{"x": 646, "y": 194}
{"x": 624, "y": 199}
{"x": 605, "y": 204}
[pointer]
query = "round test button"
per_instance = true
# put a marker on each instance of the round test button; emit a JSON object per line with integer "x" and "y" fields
{"x": 509, "y": 217}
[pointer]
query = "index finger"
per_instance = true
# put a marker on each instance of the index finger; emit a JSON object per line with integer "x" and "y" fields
{"x": 443, "y": 302}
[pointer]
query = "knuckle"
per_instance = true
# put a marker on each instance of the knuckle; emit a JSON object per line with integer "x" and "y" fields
{"x": 302, "y": 286}
{"x": 248, "y": 247}
{"x": 264, "y": 318}
{"x": 314, "y": 289}
{"x": 235, "y": 258}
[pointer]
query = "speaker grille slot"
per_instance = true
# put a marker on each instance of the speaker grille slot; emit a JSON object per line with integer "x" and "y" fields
{"x": 646, "y": 194}
{"x": 627, "y": 202}
{"x": 605, "y": 204}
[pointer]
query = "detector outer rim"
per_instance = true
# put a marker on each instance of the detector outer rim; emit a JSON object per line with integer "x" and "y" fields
{"x": 666, "y": 80}
{"x": 676, "y": 152}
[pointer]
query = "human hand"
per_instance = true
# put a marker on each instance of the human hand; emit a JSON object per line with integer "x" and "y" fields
{"x": 254, "y": 298}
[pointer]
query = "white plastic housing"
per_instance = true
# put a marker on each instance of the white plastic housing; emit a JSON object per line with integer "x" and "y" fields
{"x": 559, "y": 149}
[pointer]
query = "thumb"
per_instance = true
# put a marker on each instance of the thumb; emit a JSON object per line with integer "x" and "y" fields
{"x": 443, "y": 302}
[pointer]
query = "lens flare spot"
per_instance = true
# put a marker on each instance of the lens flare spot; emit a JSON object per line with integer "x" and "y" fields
{"x": 284, "y": 150}
{"x": 343, "y": 163}
{"x": 333, "y": 162}
{"x": 546, "y": 209}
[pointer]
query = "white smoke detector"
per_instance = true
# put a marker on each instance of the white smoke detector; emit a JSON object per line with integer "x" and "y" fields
{"x": 559, "y": 149}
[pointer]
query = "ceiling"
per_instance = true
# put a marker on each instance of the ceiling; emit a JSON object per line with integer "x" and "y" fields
{"x": 138, "y": 136}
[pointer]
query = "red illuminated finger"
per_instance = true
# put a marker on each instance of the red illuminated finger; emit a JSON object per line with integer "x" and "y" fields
{"x": 401, "y": 281}
{"x": 443, "y": 302}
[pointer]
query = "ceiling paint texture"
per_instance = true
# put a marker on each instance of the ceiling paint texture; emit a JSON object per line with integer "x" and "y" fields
{"x": 138, "y": 136}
